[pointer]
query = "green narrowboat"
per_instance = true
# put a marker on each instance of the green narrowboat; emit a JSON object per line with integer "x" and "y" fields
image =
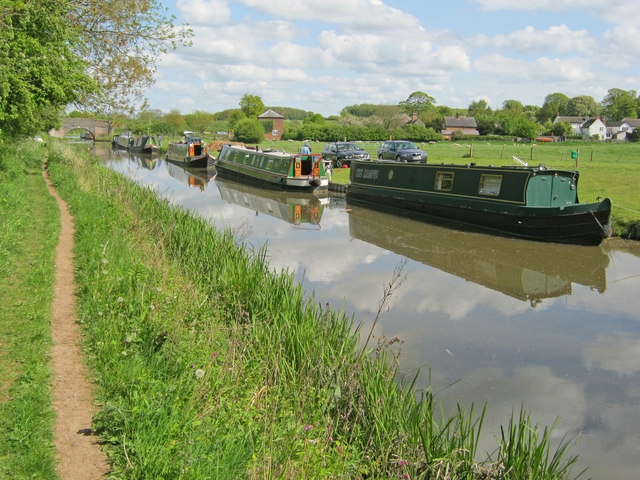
{"x": 143, "y": 144}
{"x": 527, "y": 202}
{"x": 190, "y": 152}
{"x": 273, "y": 168}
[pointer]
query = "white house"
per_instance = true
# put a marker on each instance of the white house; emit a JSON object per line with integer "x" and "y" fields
{"x": 575, "y": 122}
{"x": 594, "y": 128}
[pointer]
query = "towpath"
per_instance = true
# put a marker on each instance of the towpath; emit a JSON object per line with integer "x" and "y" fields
{"x": 79, "y": 454}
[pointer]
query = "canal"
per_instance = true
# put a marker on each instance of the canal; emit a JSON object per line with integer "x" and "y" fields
{"x": 554, "y": 328}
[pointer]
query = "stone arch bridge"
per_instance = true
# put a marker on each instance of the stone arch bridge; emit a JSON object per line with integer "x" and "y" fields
{"x": 99, "y": 128}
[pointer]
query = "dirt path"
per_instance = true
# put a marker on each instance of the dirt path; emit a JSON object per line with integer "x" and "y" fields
{"x": 79, "y": 455}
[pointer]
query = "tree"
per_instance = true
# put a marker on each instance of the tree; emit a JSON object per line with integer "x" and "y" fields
{"x": 175, "y": 121}
{"x": 121, "y": 41}
{"x": 554, "y": 104}
{"x": 251, "y": 105}
{"x": 316, "y": 118}
{"x": 582, "y": 106}
{"x": 249, "y": 130}
{"x": 513, "y": 108}
{"x": 561, "y": 129}
{"x": 199, "y": 121}
{"x": 39, "y": 72}
{"x": 479, "y": 108}
{"x": 619, "y": 104}
{"x": 418, "y": 102}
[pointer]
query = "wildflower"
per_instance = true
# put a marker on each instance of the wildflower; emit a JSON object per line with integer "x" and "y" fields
{"x": 306, "y": 428}
{"x": 128, "y": 339}
{"x": 119, "y": 299}
{"x": 199, "y": 373}
{"x": 105, "y": 261}
{"x": 124, "y": 353}
{"x": 214, "y": 354}
{"x": 99, "y": 314}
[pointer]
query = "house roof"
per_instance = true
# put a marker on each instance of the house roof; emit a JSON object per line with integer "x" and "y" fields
{"x": 270, "y": 114}
{"x": 570, "y": 119}
{"x": 633, "y": 122}
{"x": 590, "y": 122}
{"x": 460, "y": 122}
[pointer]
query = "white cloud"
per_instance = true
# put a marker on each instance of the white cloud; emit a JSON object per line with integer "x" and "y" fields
{"x": 205, "y": 12}
{"x": 556, "y": 39}
{"x": 352, "y": 13}
{"x": 540, "y": 70}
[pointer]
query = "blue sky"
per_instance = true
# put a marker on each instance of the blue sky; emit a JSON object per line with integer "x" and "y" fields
{"x": 322, "y": 55}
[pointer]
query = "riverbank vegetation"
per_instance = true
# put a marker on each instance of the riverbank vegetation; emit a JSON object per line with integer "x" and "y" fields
{"x": 30, "y": 225}
{"x": 210, "y": 364}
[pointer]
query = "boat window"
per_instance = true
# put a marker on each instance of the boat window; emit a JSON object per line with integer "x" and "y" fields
{"x": 444, "y": 181}
{"x": 490, "y": 184}
{"x": 270, "y": 164}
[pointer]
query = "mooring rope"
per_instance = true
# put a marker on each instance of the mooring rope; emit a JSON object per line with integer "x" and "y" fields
{"x": 625, "y": 208}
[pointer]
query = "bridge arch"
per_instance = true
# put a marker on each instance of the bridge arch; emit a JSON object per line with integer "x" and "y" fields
{"x": 98, "y": 128}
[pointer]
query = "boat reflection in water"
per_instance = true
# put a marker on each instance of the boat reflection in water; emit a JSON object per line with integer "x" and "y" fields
{"x": 148, "y": 161}
{"x": 526, "y": 270}
{"x": 298, "y": 208}
{"x": 193, "y": 177}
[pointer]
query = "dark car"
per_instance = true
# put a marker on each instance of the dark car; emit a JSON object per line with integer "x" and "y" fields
{"x": 401, "y": 151}
{"x": 341, "y": 153}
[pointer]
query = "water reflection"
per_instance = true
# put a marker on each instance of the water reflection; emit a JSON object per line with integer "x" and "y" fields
{"x": 524, "y": 270}
{"x": 297, "y": 208}
{"x": 192, "y": 177}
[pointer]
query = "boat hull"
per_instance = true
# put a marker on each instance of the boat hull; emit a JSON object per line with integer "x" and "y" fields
{"x": 577, "y": 223}
{"x": 188, "y": 155}
{"x": 274, "y": 170}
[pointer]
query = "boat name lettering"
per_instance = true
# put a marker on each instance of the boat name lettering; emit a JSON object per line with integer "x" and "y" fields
{"x": 372, "y": 174}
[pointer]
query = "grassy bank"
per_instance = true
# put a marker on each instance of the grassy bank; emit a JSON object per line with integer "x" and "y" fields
{"x": 28, "y": 237}
{"x": 211, "y": 366}
{"x": 606, "y": 169}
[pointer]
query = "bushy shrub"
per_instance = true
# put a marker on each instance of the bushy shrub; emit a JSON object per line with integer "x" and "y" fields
{"x": 249, "y": 131}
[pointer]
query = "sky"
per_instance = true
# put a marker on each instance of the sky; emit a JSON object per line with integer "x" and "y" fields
{"x": 323, "y": 55}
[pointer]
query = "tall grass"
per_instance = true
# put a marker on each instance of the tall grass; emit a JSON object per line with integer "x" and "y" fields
{"x": 28, "y": 237}
{"x": 212, "y": 366}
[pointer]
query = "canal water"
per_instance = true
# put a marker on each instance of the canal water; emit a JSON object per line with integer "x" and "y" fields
{"x": 553, "y": 328}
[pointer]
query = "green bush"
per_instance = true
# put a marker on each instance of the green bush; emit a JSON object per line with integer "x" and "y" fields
{"x": 249, "y": 131}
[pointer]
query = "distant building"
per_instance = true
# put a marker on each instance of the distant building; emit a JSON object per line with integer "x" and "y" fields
{"x": 278, "y": 124}
{"x": 464, "y": 125}
{"x": 575, "y": 122}
{"x": 415, "y": 120}
{"x": 594, "y": 128}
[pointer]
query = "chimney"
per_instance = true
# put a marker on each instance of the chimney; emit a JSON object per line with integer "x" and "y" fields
{"x": 458, "y": 115}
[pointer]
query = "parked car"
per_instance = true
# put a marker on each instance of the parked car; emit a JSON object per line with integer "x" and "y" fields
{"x": 401, "y": 151}
{"x": 341, "y": 153}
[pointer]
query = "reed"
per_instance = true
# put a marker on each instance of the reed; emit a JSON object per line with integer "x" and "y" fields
{"x": 212, "y": 365}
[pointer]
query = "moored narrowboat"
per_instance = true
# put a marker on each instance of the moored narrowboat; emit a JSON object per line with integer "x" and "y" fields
{"x": 526, "y": 202}
{"x": 190, "y": 152}
{"x": 273, "y": 168}
{"x": 121, "y": 141}
{"x": 143, "y": 144}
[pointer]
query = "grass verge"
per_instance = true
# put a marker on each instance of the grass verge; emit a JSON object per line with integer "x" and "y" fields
{"x": 211, "y": 366}
{"x": 28, "y": 238}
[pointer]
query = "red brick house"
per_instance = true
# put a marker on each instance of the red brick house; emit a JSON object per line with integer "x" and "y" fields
{"x": 278, "y": 125}
{"x": 464, "y": 125}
